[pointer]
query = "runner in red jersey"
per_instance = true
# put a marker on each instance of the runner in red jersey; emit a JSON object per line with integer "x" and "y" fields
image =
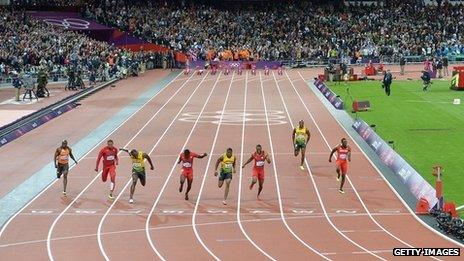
{"x": 187, "y": 169}
{"x": 110, "y": 160}
{"x": 259, "y": 156}
{"x": 343, "y": 156}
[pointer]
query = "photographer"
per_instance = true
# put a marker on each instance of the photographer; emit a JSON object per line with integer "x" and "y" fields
{"x": 425, "y": 80}
{"x": 42, "y": 80}
{"x": 17, "y": 84}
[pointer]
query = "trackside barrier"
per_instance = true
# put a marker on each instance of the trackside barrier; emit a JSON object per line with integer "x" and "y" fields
{"x": 29, "y": 122}
{"x": 418, "y": 186}
{"x": 332, "y": 97}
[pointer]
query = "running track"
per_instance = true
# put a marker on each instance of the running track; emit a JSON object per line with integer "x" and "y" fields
{"x": 300, "y": 216}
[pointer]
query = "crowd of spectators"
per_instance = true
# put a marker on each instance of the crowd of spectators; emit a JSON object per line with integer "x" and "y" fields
{"x": 29, "y": 45}
{"x": 283, "y": 30}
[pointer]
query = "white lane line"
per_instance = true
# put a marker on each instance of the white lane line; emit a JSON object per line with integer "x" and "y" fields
{"x": 147, "y": 223}
{"x": 460, "y": 207}
{"x": 239, "y": 195}
{"x": 279, "y": 196}
{"x": 83, "y": 157}
{"x": 197, "y": 203}
{"x": 129, "y": 181}
{"x": 412, "y": 213}
{"x": 347, "y": 177}
{"x": 269, "y": 219}
{"x": 316, "y": 189}
{"x": 50, "y": 231}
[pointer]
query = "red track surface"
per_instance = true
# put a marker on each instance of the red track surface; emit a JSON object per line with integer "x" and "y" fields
{"x": 300, "y": 215}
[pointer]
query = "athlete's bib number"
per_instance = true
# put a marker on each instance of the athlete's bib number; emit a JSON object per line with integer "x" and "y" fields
{"x": 64, "y": 157}
{"x": 342, "y": 156}
{"x": 227, "y": 167}
{"x": 137, "y": 165}
{"x": 260, "y": 163}
{"x": 111, "y": 157}
{"x": 186, "y": 164}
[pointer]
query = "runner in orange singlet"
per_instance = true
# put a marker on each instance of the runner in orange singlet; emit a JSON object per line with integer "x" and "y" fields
{"x": 343, "y": 156}
{"x": 259, "y": 156}
{"x": 61, "y": 160}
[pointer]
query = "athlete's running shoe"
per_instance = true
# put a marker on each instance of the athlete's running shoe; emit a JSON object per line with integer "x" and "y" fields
{"x": 302, "y": 168}
{"x": 341, "y": 191}
{"x": 131, "y": 201}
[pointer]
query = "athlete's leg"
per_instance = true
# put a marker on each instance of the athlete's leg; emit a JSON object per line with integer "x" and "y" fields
{"x": 182, "y": 180}
{"x": 226, "y": 190}
{"x": 189, "y": 186}
{"x": 342, "y": 182}
{"x": 261, "y": 183}
{"x": 338, "y": 172}
{"x": 135, "y": 177}
{"x": 303, "y": 152}
{"x": 254, "y": 179}
{"x": 105, "y": 171}
{"x": 65, "y": 178}
{"x": 112, "y": 171}
{"x": 296, "y": 149}
{"x": 220, "y": 180}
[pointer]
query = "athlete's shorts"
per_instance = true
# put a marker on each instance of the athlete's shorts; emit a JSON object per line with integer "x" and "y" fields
{"x": 343, "y": 166}
{"x": 109, "y": 170}
{"x": 140, "y": 175}
{"x": 187, "y": 173}
{"x": 300, "y": 145}
{"x": 258, "y": 173}
{"x": 62, "y": 169}
{"x": 223, "y": 176}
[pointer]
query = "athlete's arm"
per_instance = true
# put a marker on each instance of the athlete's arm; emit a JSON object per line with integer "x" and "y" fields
{"x": 100, "y": 155}
{"x": 293, "y": 135}
{"x": 180, "y": 159}
{"x": 57, "y": 153}
{"x": 268, "y": 159}
{"x": 217, "y": 165}
{"x": 201, "y": 156}
{"x": 116, "y": 158}
{"x": 145, "y": 156}
{"x": 248, "y": 161}
{"x": 309, "y": 136}
{"x": 349, "y": 154}
{"x": 332, "y": 153}
{"x": 124, "y": 150}
{"x": 72, "y": 156}
{"x": 233, "y": 164}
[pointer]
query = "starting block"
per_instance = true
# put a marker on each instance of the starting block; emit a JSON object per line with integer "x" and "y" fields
{"x": 239, "y": 71}
{"x": 279, "y": 71}
{"x": 186, "y": 71}
{"x": 226, "y": 72}
{"x": 266, "y": 71}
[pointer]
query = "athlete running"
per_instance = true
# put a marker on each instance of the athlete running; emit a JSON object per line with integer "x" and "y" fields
{"x": 110, "y": 160}
{"x": 227, "y": 161}
{"x": 138, "y": 169}
{"x": 300, "y": 139}
{"x": 187, "y": 169}
{"x": 61, "y": 159}
{"x": 343, "y": 156}
{"x": 259, "y": 156}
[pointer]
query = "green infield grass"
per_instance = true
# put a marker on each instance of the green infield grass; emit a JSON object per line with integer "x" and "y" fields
{"x": 426, "y": 127}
